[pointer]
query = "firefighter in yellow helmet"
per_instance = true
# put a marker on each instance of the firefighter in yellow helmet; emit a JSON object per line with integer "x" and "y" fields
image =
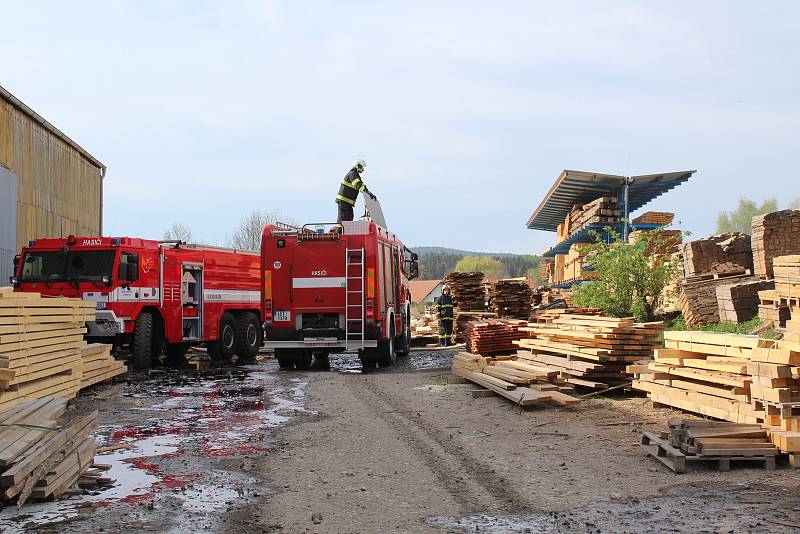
{"x": 444, "y": 307}
{"x": 349, "y": 189}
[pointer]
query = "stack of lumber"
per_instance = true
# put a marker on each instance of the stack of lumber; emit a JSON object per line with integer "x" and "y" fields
{"x": 739, "y": 302}
{"x": 689, "y": 441}
{"x": 427, "y": 325}
{"x": 547, "y": 316}
{"x": 659, "y": 242}
{"x": 493, "y": 337}
{"x": 521, "y": 382}
{"x": 41, "y": 458}
{"x": 511, "y": 298}
{"x": 40, "y": 345}
{"x": 576, "y": 264}
{"x": 98, "y": 365}
{"x": 463, "y": 320}
{"x": 772, "y": 309}
{"x": 663, "y": 218}
{"x": 698, "y": 297}
{"x": 720, "y": 253}
{"x": 738, "y": 378}
{"x": 588, "y": 350}
{"x": 786, "y": 270}
{"x": 467, "y": 290}
{"x": 774, "y": 234}
{"x": 600, "y": 210}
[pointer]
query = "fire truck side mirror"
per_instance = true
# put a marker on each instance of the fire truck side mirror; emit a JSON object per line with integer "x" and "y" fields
{"x": 414, "y": 270}
{"x": 16, "y": 262}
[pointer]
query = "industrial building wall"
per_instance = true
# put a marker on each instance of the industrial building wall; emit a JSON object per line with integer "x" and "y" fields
{"x": 8, "y": 223}
{"x": 59, "y": 191}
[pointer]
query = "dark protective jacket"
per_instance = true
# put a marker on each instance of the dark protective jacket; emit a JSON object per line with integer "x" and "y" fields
{"x": 350, "y": 187}
{"x": 445, "y": 307}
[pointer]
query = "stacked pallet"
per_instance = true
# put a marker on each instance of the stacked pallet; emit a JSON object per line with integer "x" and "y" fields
{"x": 689, "y": 441}
{"x": 743, "y": 379}
{"x": 39, "y": 457}
{"x": 739, "y": 302}
{"x": 98, "y": 365}
{"x": 511, "y": 298}
{"x": 516, "y": 380}
{"x": 467, "y": 290}
{"x": 774, "y": 234}
{"x": 721, "y": 253}
{"x": 600, "y": 210}
{"x": 494, "y": 336}
{"x": 698, "y": 297}
{"x": 664, "y": 218}
{"x": 786, "y": 271}
{"x": 772, "y": 309}
{"x": 588, "y": 350}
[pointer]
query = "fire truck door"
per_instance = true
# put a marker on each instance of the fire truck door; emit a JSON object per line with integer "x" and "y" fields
{"x": 192, "y": 301}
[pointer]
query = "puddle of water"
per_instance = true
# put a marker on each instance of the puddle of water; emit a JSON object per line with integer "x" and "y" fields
{"x": 217, "y": 417}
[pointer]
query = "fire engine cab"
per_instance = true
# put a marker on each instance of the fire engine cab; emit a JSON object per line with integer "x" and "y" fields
{"x": 334, "y": 288}
{"x": 155, "y": 296}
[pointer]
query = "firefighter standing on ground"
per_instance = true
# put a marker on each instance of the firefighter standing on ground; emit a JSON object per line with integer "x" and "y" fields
{"x": 349, "y": 189}
{"x": 445, "y": 312}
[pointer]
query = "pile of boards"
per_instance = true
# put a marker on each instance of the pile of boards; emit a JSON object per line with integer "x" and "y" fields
{"x": 494, "y": 336}
{"x": 589, "y": 350}
{"x": 521, "y": 382}
{"x": 664, "y": 218}
{"x": 42, "y": 352}
{"x": 780, "y": 306}
{"x": 737, "y": 378}
{"x": 467, "y": 290}
{"x": 425, "y": 326}
{"x": 774, "y": 234}
{"x": 599, "y": 210}
{"x": 739, "y": 302}
{"x": 41, "y": 457}
{"x": 721, "y": 253}
{"x": 698, "y": 297}
{"x": 691, "y": 441}
{"x": 511, "y": 298}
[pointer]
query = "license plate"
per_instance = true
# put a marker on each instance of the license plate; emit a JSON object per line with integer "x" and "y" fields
{"x": 283, "y": 316}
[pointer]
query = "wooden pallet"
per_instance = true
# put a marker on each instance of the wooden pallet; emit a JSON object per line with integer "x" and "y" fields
{"x": 678, "y": 461}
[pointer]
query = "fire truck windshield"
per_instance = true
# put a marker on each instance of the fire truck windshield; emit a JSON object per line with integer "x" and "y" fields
{"x": 74, "y": 266}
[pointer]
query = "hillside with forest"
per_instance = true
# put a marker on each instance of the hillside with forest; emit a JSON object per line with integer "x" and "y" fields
{"x": 436, "y": 262}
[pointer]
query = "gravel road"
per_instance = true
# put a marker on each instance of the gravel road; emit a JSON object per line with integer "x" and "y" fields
{"x": 254, "y": 449}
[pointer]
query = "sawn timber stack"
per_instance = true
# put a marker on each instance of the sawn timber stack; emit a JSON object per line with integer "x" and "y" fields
{"x": 588, "y": 350}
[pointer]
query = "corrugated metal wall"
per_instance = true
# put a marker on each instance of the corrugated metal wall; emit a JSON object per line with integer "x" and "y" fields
{"x": 8, "y": 223}
{"x": 59, "y": 191}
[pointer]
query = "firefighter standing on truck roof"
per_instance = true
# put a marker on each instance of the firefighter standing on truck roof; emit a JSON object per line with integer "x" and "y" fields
{"x": 348, "y": 191}
{"x": 445, "y": 312}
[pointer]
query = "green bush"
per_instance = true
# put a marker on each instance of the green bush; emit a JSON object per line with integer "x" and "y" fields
{"x": 631, "y": 277}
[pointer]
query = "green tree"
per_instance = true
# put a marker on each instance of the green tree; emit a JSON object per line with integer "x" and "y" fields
{"x": 740, "y": 219}
{"x": 490, "y": 267}
{"x": 632, "y": 277}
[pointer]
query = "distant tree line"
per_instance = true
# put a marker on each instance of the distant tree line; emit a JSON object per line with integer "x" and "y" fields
{"x": 437, "y": 265}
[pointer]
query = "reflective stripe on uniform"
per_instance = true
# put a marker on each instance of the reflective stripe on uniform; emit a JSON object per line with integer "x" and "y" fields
{"x": 348, "y": 184}
{"x": 345, "y": 199}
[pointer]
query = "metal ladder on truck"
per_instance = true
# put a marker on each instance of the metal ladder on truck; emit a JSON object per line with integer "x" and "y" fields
{"x": 354, "y": 298}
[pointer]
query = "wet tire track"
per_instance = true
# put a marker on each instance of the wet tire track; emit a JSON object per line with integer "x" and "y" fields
{"x": 474, "y": 485}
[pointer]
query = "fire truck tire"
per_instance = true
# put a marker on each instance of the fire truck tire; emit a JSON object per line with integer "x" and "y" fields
{"x": 224, "y": 347}
{"x": 176, "y": 353}
{"x": 404, "y": 343}
{"x": 142, "y": 346}
{"x": 386, "y": 353}
{"x": 368, "y": 360}
{"x": 302, "y": 360}
{"x": 285, "y": 358}
{"x": 248, "y": 337}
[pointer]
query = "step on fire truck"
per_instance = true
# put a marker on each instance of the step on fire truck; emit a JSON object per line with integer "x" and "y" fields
{"x": 155, "y": 296}
{"x": 328, "y": 288}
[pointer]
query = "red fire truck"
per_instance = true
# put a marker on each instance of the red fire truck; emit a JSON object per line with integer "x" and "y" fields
{"x": 154, "y": 296}
{"x": 335, "y": 289}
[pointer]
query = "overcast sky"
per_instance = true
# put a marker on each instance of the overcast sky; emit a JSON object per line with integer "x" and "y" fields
{"x": 465, "y": 112}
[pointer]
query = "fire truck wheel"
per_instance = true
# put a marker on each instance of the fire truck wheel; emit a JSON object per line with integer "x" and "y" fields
{"x": 404, "y": 345}
{"x": 386, "y": 354}
{"x": 248, "y": 337}
{"x": 302, "y": 360}
{"x": 285, "y": 358}
{"x": 176, "y": 353}
{"x": 367, "y": 358}
{"x": 224, "y": 347}
{"x": 142, "y": 346}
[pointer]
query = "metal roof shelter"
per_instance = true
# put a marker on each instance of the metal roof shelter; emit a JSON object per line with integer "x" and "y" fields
{"x": 579, "y": 187}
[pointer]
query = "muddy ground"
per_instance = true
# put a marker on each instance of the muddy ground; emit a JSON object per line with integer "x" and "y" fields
{"x": 253, "y": 449}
